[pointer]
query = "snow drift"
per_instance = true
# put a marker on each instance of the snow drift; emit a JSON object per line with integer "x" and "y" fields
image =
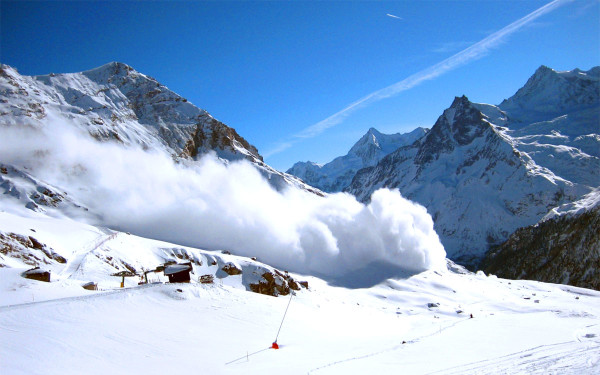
{"x": 217, "y": 205}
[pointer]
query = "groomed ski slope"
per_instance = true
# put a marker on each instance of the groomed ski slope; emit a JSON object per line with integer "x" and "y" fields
{"x": 517, "y": 327}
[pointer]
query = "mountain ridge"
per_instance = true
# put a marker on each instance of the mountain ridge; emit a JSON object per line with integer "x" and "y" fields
{"x": 114, "y": 102}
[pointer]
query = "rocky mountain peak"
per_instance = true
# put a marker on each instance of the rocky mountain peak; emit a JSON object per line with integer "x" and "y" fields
{"x": 459, "y": 125}
{"x": 460, "y": 102}
{"x": 109, "y": 72}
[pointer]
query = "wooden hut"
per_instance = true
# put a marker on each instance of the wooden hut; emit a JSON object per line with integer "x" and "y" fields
{"x": 178, "y": 273}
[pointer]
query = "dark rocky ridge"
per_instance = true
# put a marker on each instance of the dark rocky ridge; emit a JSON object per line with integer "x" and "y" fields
{"x": 562, "y": 250}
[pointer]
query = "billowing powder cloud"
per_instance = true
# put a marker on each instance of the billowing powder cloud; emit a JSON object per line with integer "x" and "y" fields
{"x": 213, "y": 205}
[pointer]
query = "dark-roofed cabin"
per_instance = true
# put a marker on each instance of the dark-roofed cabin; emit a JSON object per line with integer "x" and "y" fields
{"x": 178, "y": 273}
{"x": 37, "y": 274}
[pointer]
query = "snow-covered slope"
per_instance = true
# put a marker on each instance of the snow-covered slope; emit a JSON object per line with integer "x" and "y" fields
{"x": 336, "y": 175}
{"x": 470, "y": 323}
{"x": 116, "y": 103}
{"x": 483, "y": 170}
{"x": 76, "y": 253}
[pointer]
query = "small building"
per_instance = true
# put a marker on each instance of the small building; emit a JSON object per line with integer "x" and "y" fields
{"x": 90, "y": 286}
{"x": 37, "y": 274}
{"x": 178, "y": 273}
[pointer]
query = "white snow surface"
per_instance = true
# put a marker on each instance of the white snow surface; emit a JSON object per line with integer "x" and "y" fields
{"x": 419, "y": 324}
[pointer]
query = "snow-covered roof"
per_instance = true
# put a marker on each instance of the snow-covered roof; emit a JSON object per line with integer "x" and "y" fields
{"x": 176, "y": 268}
{"x": 34, "y": 271}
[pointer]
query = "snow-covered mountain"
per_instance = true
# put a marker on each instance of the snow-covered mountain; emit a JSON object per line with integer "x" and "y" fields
{"x": 474, "y": 183}
{"x": 483, "y": 170}
{"x": 116, "y": 103}
{"x": 336, "y": 175}
{"x": 550, "y": 94}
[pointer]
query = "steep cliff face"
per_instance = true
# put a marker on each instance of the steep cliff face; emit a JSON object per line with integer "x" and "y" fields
{"x": 564, "y": 249}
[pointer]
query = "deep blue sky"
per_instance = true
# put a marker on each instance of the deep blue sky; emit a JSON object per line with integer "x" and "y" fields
{"x": 273, "y": 69}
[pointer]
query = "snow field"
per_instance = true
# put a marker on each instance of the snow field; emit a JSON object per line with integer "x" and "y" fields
{"x": 328, "y": 330}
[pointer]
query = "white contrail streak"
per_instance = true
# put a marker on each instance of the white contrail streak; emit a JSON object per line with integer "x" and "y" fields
{"x": 393, "y": 16}
{"x": 463, "y": 57}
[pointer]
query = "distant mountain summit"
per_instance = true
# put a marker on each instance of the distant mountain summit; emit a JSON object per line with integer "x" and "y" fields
{"x": 548, "y": 94}
{"x": 115, "y": 102}
{"x": 336, "y": 175}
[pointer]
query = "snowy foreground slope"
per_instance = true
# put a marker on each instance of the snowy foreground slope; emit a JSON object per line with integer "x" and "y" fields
{"x": 419, "y": 324}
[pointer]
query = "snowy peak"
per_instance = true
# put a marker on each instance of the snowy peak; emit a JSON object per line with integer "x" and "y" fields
{"x": 551, "y": 92}
{"x": 374, "y": 145}
{"x": 368, "y": 151}
{"x": 371, "y": 139}
{"x": 467, "y": 123}
{"x": 113, "y": 68}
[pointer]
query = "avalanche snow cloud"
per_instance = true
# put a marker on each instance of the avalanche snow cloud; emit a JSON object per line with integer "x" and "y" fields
{"x": 214, "y": 205}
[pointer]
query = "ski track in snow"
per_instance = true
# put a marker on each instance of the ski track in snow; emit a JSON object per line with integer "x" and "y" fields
{"x": 59, "y": 301}
{"x": 559, "y": 358}
{"x": 74, "y": 264}
{"x": 397, "y": 347}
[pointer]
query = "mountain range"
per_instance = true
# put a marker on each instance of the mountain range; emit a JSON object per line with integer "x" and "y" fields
{"x": 336, "y": 175}
{"x": 483, "y": 171}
